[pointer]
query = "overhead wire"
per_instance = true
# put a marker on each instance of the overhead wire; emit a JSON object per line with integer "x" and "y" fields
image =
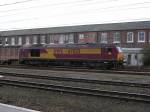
{"x": 87, "y": 11}
{"x": 77, "y": 23}
{"x": 134, "y": 4}
{"x": 73, "y": 13}
{"x": 57, "y": 4}
{"x": 47, "y": 5}
{"x": 38, "y": 18}
{"x": 14, "y": 3}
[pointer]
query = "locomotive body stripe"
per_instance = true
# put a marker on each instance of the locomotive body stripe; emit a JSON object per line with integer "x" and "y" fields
{"x": 61, "y": 53}
{"x": 90, "y": 51}
{"x": 77, "y": 51}
{"x": 78, "y": 56}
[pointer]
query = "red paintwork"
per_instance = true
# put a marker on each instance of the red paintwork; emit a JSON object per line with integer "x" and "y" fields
{"x": 104, "y": 55}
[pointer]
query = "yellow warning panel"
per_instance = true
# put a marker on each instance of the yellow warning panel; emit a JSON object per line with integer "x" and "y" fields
{"x": 90, "y": 51}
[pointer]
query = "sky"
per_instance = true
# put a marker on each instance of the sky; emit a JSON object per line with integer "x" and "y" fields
{"x": 26, "y": 14}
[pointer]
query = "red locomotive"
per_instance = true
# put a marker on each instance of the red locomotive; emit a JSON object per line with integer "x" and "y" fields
{"x": 91, "y": 55}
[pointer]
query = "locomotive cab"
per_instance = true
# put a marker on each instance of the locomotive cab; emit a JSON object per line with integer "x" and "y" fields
{"x": 28, "y": 53}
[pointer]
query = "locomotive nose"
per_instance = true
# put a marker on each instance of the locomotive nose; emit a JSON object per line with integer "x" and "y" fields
{"x": 120, "y": 56}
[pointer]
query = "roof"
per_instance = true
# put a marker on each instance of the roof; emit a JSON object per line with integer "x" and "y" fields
{"x": 91, "y": 45}
{"x": 81, "y": 28}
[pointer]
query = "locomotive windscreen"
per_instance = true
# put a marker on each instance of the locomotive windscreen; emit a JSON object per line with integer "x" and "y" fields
{"x": 35, "y": 52}
{"x": 109, "y": 50}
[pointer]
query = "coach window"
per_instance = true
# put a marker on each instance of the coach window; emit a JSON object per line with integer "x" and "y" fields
{"x": 34, "y": 39}
{"x": 141, "y": 36}
{"x": 42, "y": 39}
{"x": 116, "y": 37}
{"x": 12, "y": 41}
{"x": 6, "y": 42}
{"x": 130, "y": 36}
{"x": 103, "y": 38}
{"x": 20, "y": 41}
{"x": 27, "y": 40}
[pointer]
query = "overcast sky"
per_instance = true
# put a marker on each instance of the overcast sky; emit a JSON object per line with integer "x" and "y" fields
{"x": 24, "y": 14}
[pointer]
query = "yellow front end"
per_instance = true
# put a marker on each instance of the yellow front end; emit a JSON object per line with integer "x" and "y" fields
{"x": 120, "y": 56}
{"x": 49, "y": 54}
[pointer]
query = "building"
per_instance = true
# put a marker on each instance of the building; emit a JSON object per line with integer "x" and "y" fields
{"x": 130, "y": 36}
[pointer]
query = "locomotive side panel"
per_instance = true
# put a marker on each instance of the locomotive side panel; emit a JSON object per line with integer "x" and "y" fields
{"x": 71, "y": 53}
{"x": 63, "y": 53}
{"x": 78, "y": 53}
{"x": 106, "y": 56}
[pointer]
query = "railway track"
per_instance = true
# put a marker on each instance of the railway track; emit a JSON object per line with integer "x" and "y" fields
{"x": 78, "y": 90}
{"x": 83, "y": 80}
{"x": 133, "y": 71}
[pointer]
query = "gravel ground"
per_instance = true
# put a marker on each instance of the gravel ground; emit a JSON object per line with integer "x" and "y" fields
{"x": 47, "y": 101}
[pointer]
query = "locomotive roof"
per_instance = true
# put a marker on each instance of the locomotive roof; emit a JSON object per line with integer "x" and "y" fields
{"x": 81, "y": 28}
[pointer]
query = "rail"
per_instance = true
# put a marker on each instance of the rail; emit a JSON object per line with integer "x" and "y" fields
{"x": 84, "y": 80}
{"x": 133, "y": 71}
{"x": 78, "y": 90}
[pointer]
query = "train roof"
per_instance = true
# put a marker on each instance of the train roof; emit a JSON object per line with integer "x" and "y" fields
{"x": 81, "y": 28}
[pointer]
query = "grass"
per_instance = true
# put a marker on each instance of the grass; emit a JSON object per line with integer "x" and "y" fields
{"x": 48, "y": 101}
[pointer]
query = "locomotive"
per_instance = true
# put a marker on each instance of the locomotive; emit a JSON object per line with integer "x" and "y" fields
{"x": 89, "y": 55}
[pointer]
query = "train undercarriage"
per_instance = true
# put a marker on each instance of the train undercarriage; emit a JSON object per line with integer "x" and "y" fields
{"x": 107, "y": 64}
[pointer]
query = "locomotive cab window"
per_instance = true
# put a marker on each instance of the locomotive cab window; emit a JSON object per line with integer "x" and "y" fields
{"x": 109, "y": 51}
{"x": 35, "y": 53}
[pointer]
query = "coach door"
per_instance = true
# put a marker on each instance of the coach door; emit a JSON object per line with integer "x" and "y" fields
{"x": 106, "y": 53}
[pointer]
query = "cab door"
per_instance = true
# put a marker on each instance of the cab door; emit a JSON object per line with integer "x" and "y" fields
{"x": 108, "y": 53}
